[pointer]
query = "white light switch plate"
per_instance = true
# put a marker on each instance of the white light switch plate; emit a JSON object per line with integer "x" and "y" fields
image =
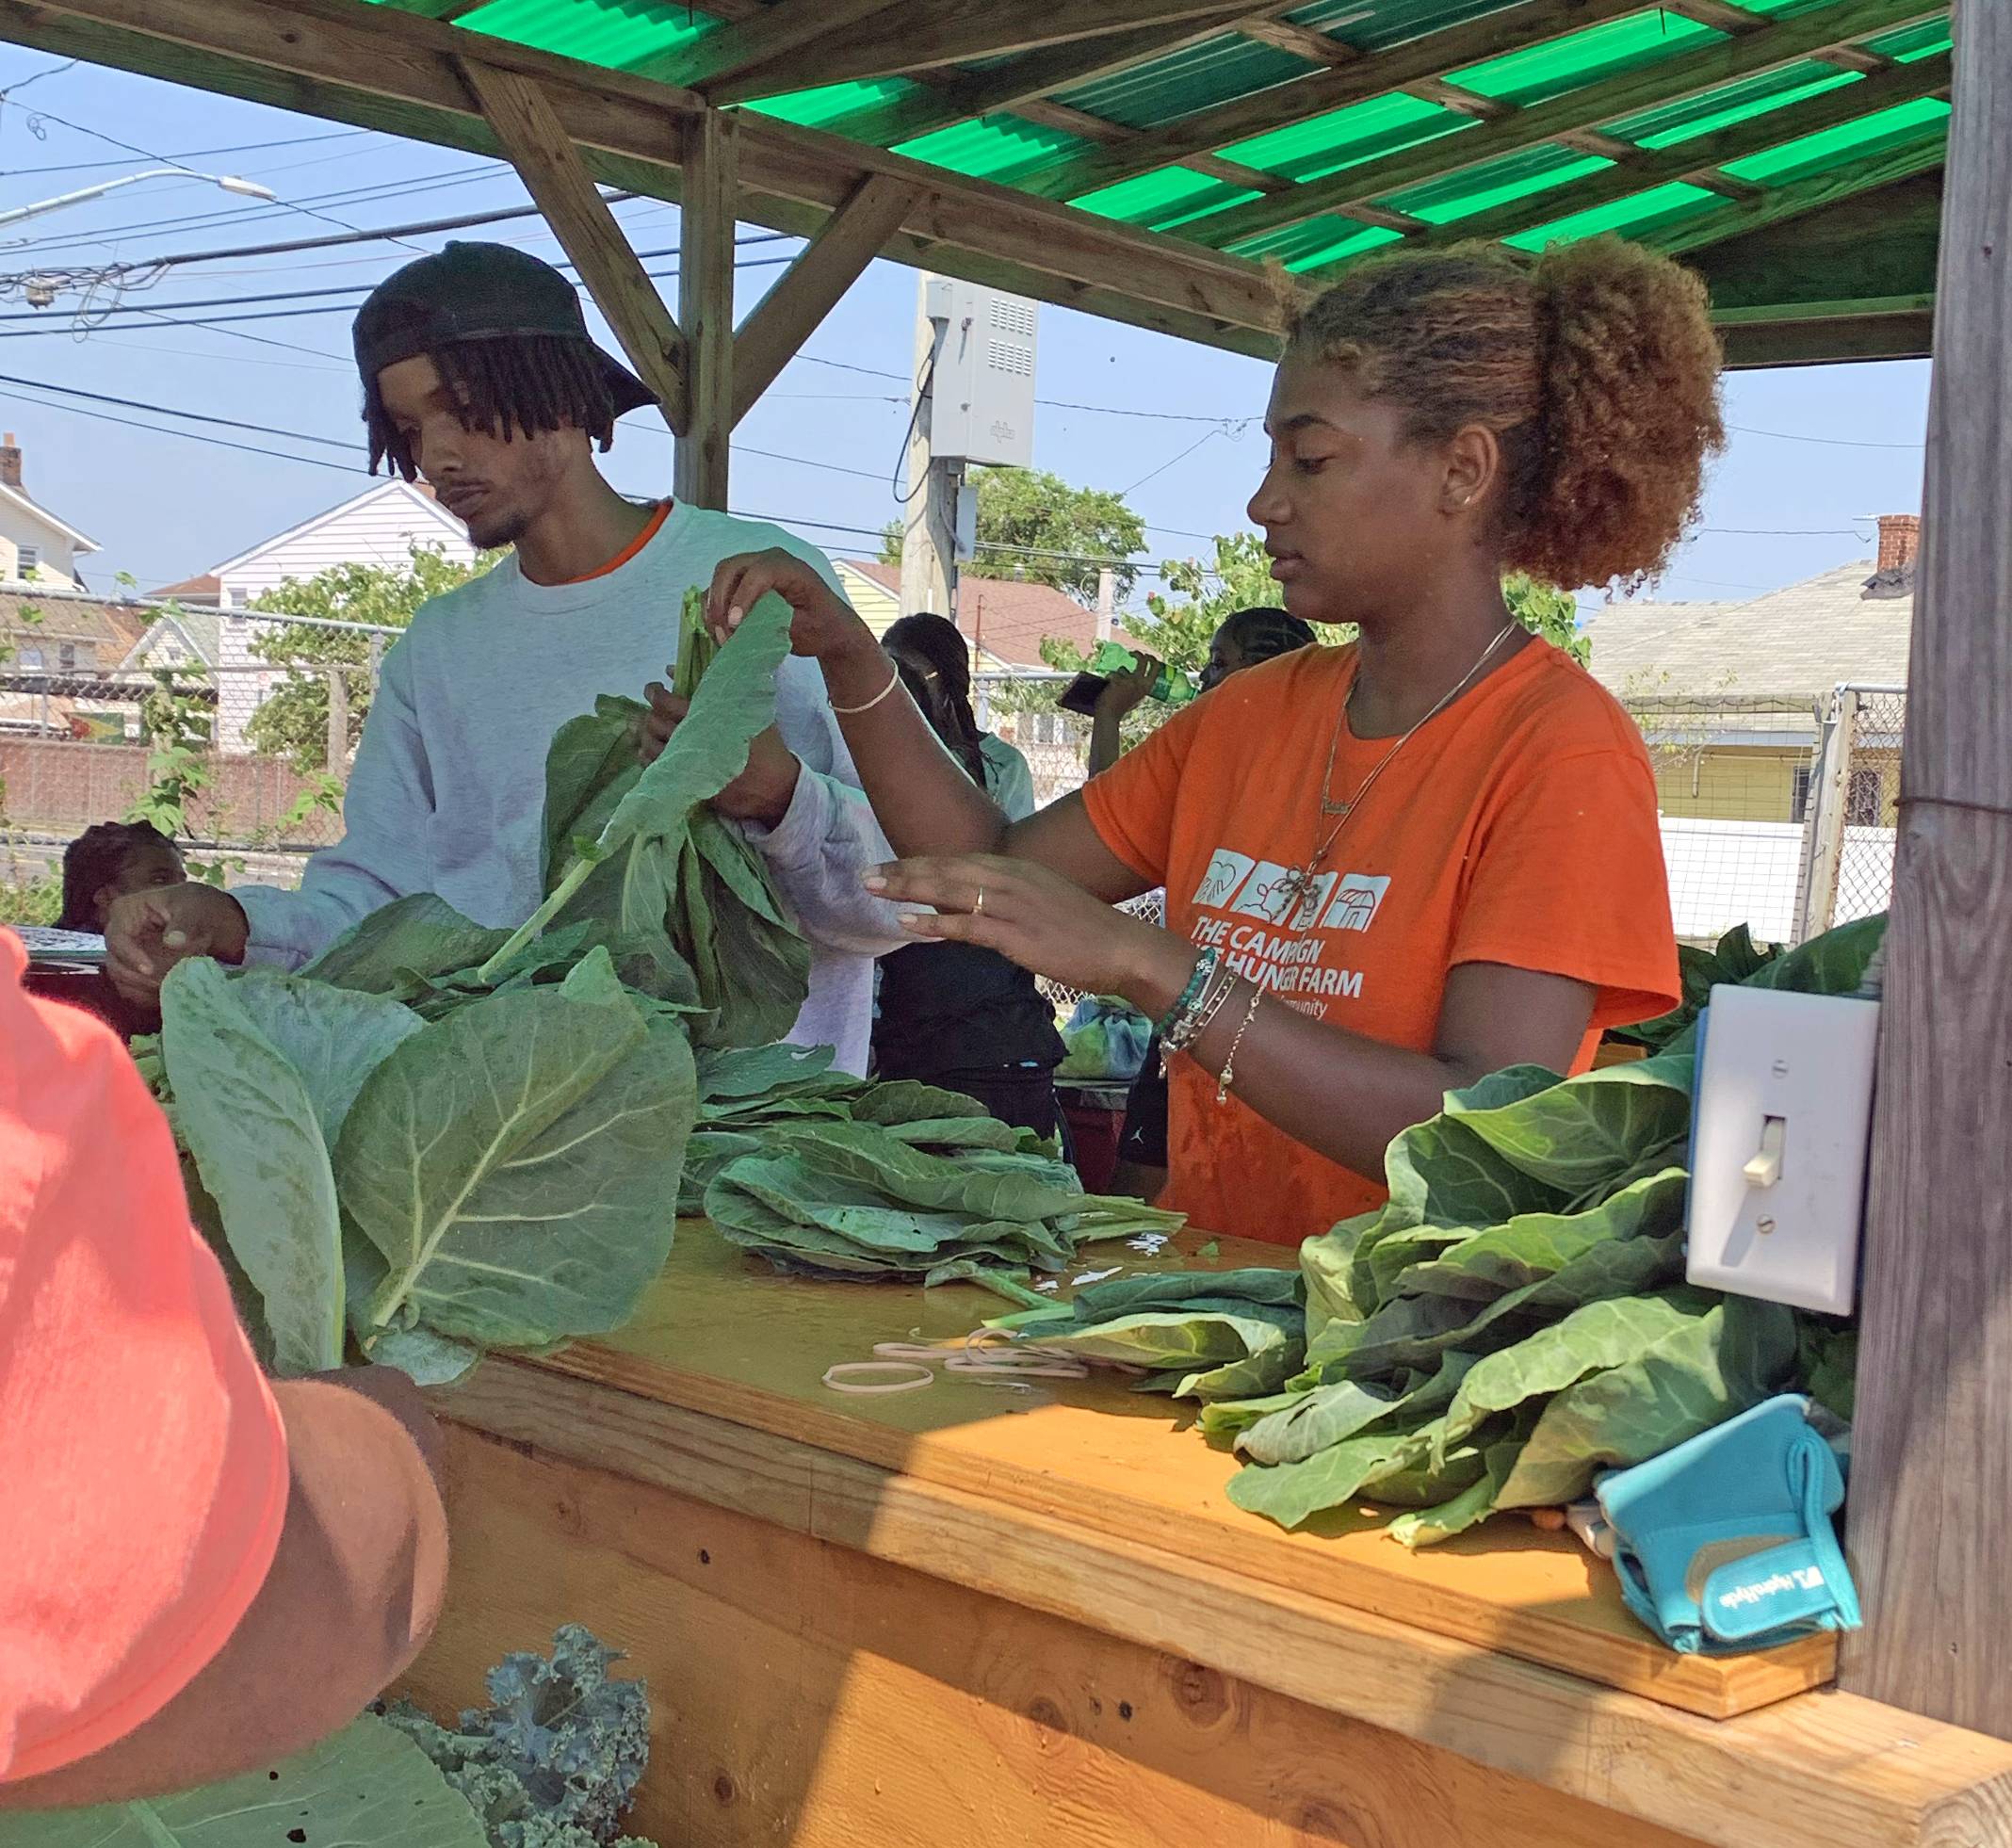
{"x": 1804, "y": 1062}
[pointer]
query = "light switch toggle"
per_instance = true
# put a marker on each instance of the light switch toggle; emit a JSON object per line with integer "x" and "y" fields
{"x": 1764, "y": 1170}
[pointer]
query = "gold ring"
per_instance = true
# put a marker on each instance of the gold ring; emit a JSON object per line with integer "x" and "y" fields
{"x": 978, "y": 910}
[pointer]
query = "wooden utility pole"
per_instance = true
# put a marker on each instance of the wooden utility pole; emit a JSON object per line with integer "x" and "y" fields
{"x": 1931, "y": 1482}
{"x": 338, "y": 733}
{"x": 929, "y": 533}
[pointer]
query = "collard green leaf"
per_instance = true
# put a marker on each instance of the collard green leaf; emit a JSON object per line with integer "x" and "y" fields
{"x": 1171, "y": 1289}
{"x": 909, "y": 1100}
{"x": 334, "y": 1038}
{"x": 1474, "y": 1504}
{"x": 429, "y": 1360}
{"x": 590, "y": 765}
{"x": 422, "y": 935}
{"x": 1588, "y": 1341}
{"x": 947, "y": 1132}
{"x": 1293, "y": 1493}
{"x": 247, "y": 1117}
{"x": 1332, "y": 1413}
{"x": 516, "y": 1165}
{"x": 1832, "y": 964}
{"x": 1583, "y": 1133}
{"x": 1705, "y": 1369}
{"x": 1194, "y": 1340}
{"x": 764, "y": 1071}
{"x": 368, "y": 1786}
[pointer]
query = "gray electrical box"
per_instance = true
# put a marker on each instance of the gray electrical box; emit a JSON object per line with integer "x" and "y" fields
{"x": 984, "y": 386}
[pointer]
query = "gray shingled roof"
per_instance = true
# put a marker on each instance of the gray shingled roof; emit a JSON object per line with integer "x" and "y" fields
{"x": 1801, "y": 641}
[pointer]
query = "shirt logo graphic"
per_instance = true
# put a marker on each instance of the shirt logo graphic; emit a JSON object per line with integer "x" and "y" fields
{"x": 1267, "y": 893}
{"x": 1358, "y": 901}
{"x": 1226, "y": 872}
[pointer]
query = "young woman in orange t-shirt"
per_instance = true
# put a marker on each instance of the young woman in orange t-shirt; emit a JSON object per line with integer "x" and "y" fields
{"x": 1394, "y": 867}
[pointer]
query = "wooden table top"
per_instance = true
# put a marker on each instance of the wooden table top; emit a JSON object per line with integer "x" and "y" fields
{"x": 725, "y": 1336}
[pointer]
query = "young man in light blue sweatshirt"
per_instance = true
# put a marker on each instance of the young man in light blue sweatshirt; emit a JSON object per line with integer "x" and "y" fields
{"x": 479, "y": 374}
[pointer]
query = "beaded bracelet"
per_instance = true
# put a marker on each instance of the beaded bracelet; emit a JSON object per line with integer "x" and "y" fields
{"x": 1205, "y": 967}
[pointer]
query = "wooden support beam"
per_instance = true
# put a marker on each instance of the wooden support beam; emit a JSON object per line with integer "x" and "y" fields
{"x": 1461, "y": 102}
{"x": 550, "y": 167}
{"x": 914, "y": 35}
{"x": 1778, "y": 204}
{"x": 1931, "y": 1480}
{"x": 1316, "y": 47}
{"x": 347, "y": 60}
{"x": 776, "y": 31}
{"x": 1720, "y": 15}
{"x": 1697, "y": 157}
{"x": 810, "y": 288}
{"x": 1705, "y": 68}
{"x": 1506, "y": 29}
{"x": 705, "y": 304}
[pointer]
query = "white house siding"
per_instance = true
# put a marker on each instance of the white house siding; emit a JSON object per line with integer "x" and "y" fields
{"x": 381, "y": 527}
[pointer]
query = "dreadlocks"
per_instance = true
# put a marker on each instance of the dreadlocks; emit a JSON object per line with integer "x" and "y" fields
{"x": 946, "y": 700}
{"x": 94, "y": 860}
{"x": 532, "y": 382}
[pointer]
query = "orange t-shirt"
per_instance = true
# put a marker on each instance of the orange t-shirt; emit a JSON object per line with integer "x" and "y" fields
{"x": 143, "y": 1470}
{"x": 1518, "y": 827}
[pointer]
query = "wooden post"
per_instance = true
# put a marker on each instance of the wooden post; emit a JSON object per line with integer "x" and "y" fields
{"x": 929, "y": 539}
{"x": 705, "y": 304}
{"x": 1931, "y": 1487}
{"x": 338, "y": 733}
{"x": 1829, "y": 805}
{"x": 523, "y": 121}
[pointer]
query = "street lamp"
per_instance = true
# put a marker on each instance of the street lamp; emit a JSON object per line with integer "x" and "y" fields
{"x": 229, "y": 182}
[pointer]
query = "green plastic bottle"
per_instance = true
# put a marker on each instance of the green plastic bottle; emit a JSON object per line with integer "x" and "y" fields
{"x": 1172, "y": 688}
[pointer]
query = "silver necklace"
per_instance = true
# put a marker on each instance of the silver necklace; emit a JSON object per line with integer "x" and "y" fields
{"x": 1294, "y": 886}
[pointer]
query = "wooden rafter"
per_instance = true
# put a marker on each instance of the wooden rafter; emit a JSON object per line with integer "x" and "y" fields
{"x": 705, "y": 303}
{"x": 1510, "y": 29}
{"x": 1687, "y": 73}
{"x": 810, "y": 288}
{"x": 1696, "y": 158}
{"x": 550, "y": 167}
{"x": 349, "y": 61}
{"x": 915, "y": 34}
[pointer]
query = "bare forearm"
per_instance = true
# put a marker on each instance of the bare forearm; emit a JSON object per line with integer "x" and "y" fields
{"x": 924, "y": 801}
{"x": 1107, "y": 742}
{"x": 352, "y": 1594}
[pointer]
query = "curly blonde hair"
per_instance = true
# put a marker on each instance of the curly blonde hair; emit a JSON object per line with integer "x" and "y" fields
{"x": 1596, "y": 367}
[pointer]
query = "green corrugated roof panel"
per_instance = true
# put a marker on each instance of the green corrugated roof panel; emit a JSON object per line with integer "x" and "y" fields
{"x": 1217, "y": 70}
{"x": 1329, "y": 238}
{"x": 1161, "y": 200}
{"x": 1481, "y": 188}
{"x": 1394, "y": 21}
{"x": 828, "y": 105}
{"x": 1905, "y": 122}
{"x": 1713, "y": 109}
{"x": 618, "y": 35}
{"x": 1541, "y": 71}
{"x": 1363, "y": 131}
{"x": 1001, "y": 148}
{"x": 1639, "y": 212}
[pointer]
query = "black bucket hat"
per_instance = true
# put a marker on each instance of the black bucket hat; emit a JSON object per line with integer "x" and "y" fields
{"x": 479, "y": 292}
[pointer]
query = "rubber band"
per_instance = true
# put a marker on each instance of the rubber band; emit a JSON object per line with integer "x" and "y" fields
{"x": 853, "y": 711}
{"x": 838, "y": 1377}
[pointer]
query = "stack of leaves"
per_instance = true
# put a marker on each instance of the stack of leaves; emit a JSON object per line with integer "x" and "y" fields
{"x": 830, "y": 1177}
{"x": 684, "y": 888}
{"x": 553, "y": 1764}
{"x": 499, "y": 1178}
{"x": 1511, "y": 1321}
{"x": 1207, "y": 1335}
{"x": 445, "y": 1138}
{"x": 1736, "y": 959}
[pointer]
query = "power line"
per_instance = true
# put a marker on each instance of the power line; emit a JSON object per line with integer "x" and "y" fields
{"x": 188, "y": 435}
{"x": 188, "y": 154}
{"x": 1829, "y": 442}
{"x": 170, "y": 411}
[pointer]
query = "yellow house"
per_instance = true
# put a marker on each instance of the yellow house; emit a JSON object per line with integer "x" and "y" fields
{"x": 1730, "y": 694}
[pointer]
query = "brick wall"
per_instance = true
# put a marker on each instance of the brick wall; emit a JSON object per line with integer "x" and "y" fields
{"x": 53, "y": 786}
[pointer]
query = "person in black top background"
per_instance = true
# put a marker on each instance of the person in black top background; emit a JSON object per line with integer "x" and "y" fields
{"x": 951, "y": 1014}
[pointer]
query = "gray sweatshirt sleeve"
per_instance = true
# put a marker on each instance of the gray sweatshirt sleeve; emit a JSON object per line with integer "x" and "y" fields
{"x": 382, "y": 855}
{"x": 823, "y": 845}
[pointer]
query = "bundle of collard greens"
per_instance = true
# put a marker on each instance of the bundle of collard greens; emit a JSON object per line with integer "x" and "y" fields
{"x": 697, "y": 895}
{"x": 1736, "y": 957}
{"x": 553, "y": 1764}
{"x": 834, "y": 1177}
{"x": 445, "y": 1138}
{"x": 1512, "y": 1322}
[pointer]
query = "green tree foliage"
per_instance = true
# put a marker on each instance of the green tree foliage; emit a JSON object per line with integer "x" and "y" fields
{"x": 293, "y": 723}
{"x": 1037, "y": 512}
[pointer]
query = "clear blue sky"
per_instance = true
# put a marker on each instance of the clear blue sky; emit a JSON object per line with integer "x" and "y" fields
{"x": 1845, "y": 440}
